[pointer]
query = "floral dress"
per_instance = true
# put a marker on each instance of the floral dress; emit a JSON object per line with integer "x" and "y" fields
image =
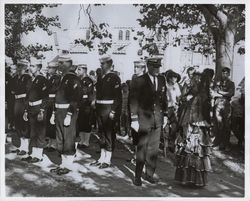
{"x": 193, "y": 147}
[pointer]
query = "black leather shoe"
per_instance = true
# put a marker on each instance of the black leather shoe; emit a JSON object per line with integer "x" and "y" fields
{"x": 15, "y": 151}
{"x": 104, "y": 165}
{"x": 35, "y": 160}
{"x": 150, "y": 179}
{"x": 21, "y": 153}
{"x": 222, "y": 148}
{"x": 54, "y": 170}
{"x": 62, "y": 171}
{"x": 81, "y": 146}
{"x": 50, "y": 149}
{"x": 137, "y": 181}
{"x": 96, "y": 163}
{"x": 27, "y": 159}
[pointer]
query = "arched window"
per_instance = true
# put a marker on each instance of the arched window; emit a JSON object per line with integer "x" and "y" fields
{"x": 87, "y": 34}
{"x": 127, "y": 35}
{"x": 120, "y": 35}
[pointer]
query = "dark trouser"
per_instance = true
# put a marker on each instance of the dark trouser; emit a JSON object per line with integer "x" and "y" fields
{"x": 134, "y": 135}
{"x": 21, "y": 126}
{"x": 147, "y": 151}
{"x": 37, "y": 128}
{"x": 51, "y": 129}
{"x": 106, "y": 127}
{"x": 222, "y": 112}
{"x": 65, "y": 136}
{"x": 10, "y": 110}
{"x": 238, "y": 128}
{"x": 125, "y": 123}
{"x": 84, "y": 118}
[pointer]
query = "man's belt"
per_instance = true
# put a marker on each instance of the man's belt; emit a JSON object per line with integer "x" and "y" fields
{"x": 85, "y": 96}
{"x": 105, "y": 102}
{"x": 221, "y": 98}
{"x": 35, "y": 103}
{"x": 20, "y": 96}
{"x": 62, "y": 106}
{"x": 52, "y": 95}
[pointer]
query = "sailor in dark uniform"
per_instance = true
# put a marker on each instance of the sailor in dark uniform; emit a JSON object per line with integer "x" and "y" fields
{"x": 148, "y": 103}
{"x": 7, "y": 95}
{"x": 67, "y": 101}
{"x": 10, "y": 97}
{"x": 36, "y": 112}
{"x": 54, "y": 80}
{"x": 139, "y": 70}
{"x": 85, "y": 110}
{"x": 224, "y": 90}
{"x": 20, "y": 88}
{"x": 108, "y": 103}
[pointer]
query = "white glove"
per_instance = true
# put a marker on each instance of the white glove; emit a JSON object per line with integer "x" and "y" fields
{"x": 52, "y": 119}
{"x": 67, "y": 120}
{"x": 93, "y": 104}
{"x": 40, "y": 115}
{"x": 135, "y": 125}
{"x": 111, "y": 115}
{"x": 189, "y": 97}
{"x": 165, "y": 121}
{"x": 25, "y": 116}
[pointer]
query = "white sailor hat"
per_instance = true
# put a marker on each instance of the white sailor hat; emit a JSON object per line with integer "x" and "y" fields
{"x": 23, "y": 62}
{"x": 34, "y": 61}
{"x": 105, "y": 58}
{"x": 82, "y": 66}
{"x": 53, "y": 64}
{"x": 140, "y": 63}
{"x": 64, "y": 58}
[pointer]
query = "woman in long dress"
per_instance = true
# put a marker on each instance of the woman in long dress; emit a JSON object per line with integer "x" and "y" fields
{"x": 193, "y": 145}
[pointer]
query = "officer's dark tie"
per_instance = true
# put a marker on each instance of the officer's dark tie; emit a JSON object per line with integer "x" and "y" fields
{"x": 154, "y": 83}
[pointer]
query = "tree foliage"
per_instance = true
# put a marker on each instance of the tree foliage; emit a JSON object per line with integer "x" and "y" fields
{"x": 99, "y": 33}
{"x": 24, "y": 18}
{"x": 217, "y": 24}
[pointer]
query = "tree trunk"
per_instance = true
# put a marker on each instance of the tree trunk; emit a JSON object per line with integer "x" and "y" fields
{"x": 224, "y": 50}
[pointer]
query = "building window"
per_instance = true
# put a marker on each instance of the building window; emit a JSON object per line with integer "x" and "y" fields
{"x": 120, "y": 35}
{"x": 127, "y": 35}
{"x": 87, "y": 34}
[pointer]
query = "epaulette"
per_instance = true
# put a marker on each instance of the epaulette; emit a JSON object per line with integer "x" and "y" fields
{"x": 113, "y": 75}
{"x": 41, "y": 75}
{"x": 87, "y": 78}
{"x": 70, "y": 73}
{"x": 26, "y": 74}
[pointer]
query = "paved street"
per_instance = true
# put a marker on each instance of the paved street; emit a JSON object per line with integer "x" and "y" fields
{"x": 24, "y": 179}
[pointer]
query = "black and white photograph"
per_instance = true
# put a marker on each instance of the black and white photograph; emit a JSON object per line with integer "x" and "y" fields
{"x": 125, "y": 100}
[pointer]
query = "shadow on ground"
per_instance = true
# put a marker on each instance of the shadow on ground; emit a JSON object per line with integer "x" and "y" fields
{"x": 35, "y": 180}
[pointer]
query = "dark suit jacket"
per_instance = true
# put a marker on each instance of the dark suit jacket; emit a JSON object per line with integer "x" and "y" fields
{"x": 146, "y": 103}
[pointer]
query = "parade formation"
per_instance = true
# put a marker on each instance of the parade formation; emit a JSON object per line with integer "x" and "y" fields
{"x": 191, "y": 116}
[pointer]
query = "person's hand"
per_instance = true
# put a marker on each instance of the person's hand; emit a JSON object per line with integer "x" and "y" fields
{"x": 165, "y": 121}
{"x": 93, "y": 104}
{"x": 40, "y": 115}
{"x": 189, "y": 97}
{"x": 215, "y": 94}
{"x": 25, "y": 116}
{"x": 135, "y": 125}
{"x": 67, "y": 120}
{"x": 52, "y": 119}
{"x": 112, "y": 115}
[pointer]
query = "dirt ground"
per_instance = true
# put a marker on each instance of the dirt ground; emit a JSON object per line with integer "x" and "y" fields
{"x": 35, "y": 180}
